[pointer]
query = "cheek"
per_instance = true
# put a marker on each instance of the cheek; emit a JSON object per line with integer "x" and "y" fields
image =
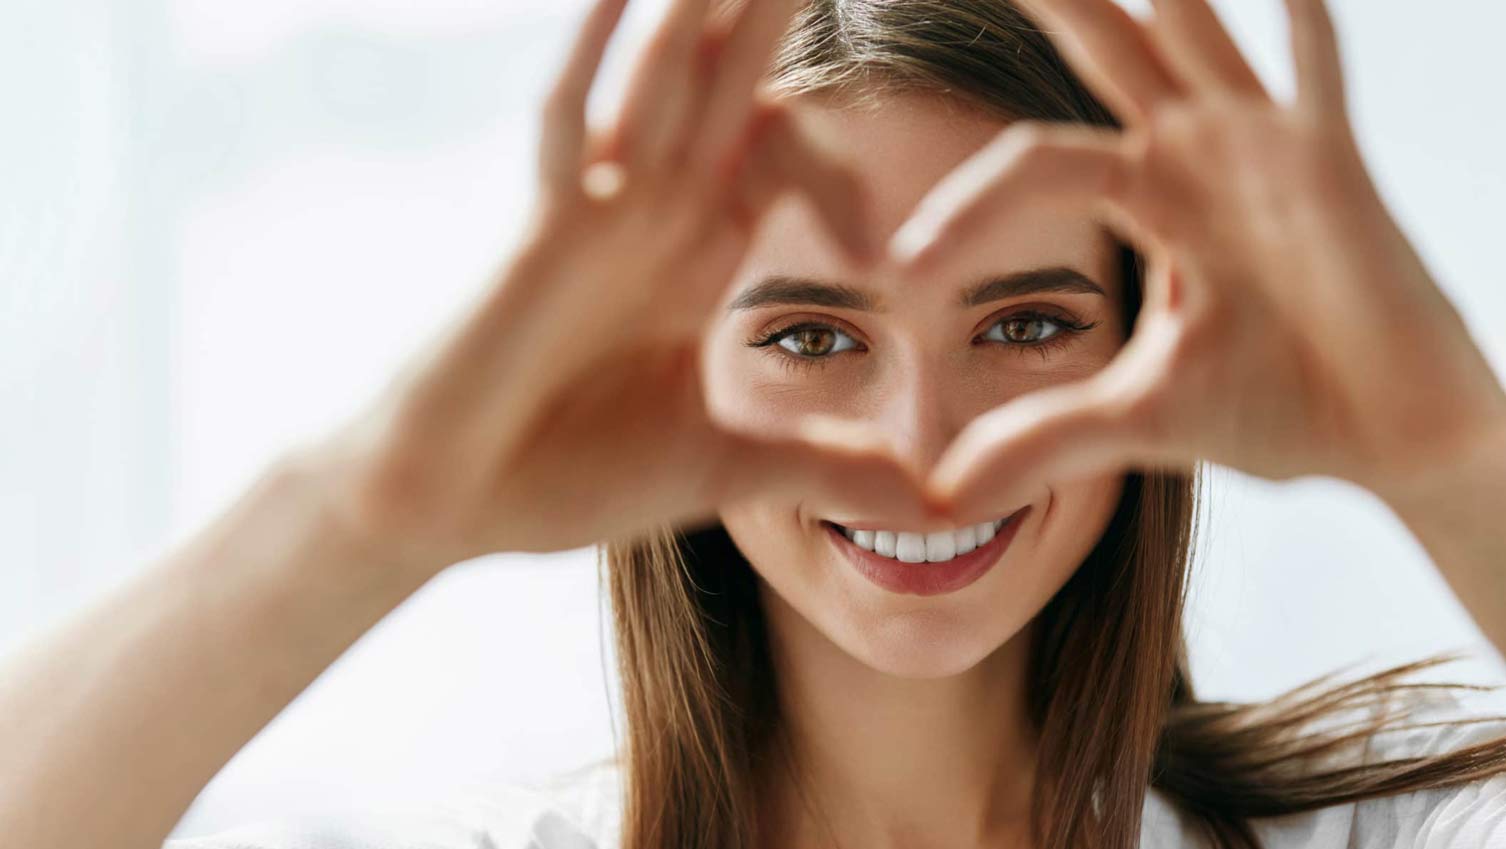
{"x": 772, "y": 539}
{"x": 801, "y": 595}
{"x": 1079, "y": 514}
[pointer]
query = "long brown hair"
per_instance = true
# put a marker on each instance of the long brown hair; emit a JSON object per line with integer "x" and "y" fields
{"x": 1110, "y": 694}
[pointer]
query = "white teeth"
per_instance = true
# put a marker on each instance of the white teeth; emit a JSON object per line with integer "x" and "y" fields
{"x": 985, "y": 532}
{"x": 937, "y": 547}
{"x": 941, "y": 546}
{"x": 967, "y": 539}
{"x": 911, "y": 547}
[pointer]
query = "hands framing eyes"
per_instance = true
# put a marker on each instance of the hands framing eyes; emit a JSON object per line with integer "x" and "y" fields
{"x": 1288, "y": 327}
{"x": 566, "y": 407}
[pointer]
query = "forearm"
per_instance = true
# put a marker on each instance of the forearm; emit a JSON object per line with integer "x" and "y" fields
{"x": 111, "y": 723}
{"x": 1461, "y": 521}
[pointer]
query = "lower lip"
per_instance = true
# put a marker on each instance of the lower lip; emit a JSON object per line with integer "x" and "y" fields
{"x": 929, "y": 578}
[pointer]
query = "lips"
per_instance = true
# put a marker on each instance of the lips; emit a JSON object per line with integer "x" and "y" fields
{"x": 927, "y": 568}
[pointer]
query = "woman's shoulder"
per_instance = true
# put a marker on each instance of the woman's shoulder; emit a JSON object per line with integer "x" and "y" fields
{"x": 1471, "y": 813}
{"x": 577, "y": 809}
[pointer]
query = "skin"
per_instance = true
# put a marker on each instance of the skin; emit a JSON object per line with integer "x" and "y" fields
{"x": 567, "y": 406}
{"x": 939, "y": 678}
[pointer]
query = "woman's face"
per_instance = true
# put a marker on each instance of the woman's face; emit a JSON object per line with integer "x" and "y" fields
{"x": 919, "y": 359}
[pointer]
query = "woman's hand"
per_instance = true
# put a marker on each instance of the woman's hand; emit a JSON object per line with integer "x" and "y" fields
{"x": 1288, "y": 328}
{"x": 566, "y": 408}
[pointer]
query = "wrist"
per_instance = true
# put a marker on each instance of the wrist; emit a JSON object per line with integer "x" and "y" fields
{"x": 355, "y": 548}
{"x": 1472, "y": 477}
{"x": 1455, "y": 514}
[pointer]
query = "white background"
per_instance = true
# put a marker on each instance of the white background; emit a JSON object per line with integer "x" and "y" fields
{"x": 223, "y": 224}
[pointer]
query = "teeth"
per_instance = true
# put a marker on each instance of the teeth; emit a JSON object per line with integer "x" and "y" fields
{"x": 941, "y": 546}
{"x": 986, "y": 532}
{"x": 967, "y": 539}
{"x": 936, "y": 547}
{"x": 911, "y": 548}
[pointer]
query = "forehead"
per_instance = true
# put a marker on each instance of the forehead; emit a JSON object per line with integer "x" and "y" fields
{"x": 901, "y": 149}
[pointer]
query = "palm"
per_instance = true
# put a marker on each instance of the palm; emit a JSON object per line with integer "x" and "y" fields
{"x": 1288, "y": 328}
{"x": 567, "y": 407}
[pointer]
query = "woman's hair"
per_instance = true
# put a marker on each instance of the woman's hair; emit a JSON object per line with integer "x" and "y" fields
{"x": 1109, "y": 691}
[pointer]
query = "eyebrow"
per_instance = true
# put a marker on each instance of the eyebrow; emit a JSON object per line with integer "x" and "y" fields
{"x": 787, "y": 290}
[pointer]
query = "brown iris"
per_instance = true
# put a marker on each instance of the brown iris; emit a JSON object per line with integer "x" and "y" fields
{"x": 1035, "y": 329}
{"x": 814, "y": 341}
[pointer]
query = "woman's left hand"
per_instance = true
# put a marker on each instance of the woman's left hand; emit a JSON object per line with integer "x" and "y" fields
{"x": 1288, "y": 327}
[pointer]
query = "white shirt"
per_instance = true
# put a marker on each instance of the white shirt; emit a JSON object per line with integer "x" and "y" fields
{"x": 581, "y": 810}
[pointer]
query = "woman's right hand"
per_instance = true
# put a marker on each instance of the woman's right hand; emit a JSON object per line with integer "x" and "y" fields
{"x": 566, "y": 408}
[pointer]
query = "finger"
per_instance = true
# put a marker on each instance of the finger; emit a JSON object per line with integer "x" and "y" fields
{"x": 741, "y": 62}
{"x": 785, "y": 158}
{"x": 1025, "y": 166}
{"x": 1315, "y": 49}
{"x": 1052, "y": 435}
{"x": 564, "y": 134}
{"x": 1113, "y": 52}
{"x": 844, "y": 464}
{"x": 1195, "y": 44}
{"x": 662, "y": 89}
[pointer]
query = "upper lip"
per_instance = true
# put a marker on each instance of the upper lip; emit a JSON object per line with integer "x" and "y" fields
{"x": 861, "y": 525}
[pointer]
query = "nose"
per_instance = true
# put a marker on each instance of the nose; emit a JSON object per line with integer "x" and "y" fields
{"x": 922, "y": 412}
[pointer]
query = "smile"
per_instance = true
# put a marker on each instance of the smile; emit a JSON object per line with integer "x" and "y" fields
{"x": 926, "y": 564}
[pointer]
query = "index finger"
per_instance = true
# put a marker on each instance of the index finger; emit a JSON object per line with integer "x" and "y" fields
{"x": 563, "y": 144}
{"x": 1113, "y": 52}
{"x": 1315, "y": 47}
{"x": 1202, "y": 48}
{"x": 741, "y": 63}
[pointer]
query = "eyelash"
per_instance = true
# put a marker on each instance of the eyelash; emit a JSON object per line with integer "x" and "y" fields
{"x": 1070, "y": 329}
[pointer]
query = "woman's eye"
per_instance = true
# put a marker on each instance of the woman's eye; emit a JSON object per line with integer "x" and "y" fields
{"x": 1026, "y": 329}
{"x": 814, "y": 341}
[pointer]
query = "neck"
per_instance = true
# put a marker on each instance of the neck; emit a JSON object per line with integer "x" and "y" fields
{"x": 874, "y": 760}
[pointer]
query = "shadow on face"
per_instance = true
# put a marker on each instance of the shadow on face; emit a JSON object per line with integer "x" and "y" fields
{"x": 799, "y": 332}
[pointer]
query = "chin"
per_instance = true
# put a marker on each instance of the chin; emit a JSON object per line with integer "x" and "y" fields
{"x": 925, "y": 644}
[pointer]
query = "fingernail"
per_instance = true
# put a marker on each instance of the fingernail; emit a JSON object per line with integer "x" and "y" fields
{"x": 603, "y": 181}
{"x": 908, "y": 244}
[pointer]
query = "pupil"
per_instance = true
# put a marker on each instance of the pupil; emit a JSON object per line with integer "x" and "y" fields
{"x": 1033, "y": 323}
{"x": 810, "y": 341}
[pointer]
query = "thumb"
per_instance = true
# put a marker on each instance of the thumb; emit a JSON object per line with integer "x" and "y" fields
{"x": 1049, "y": 435}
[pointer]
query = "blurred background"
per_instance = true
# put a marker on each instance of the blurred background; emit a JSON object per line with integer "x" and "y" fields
{"x": 223, "y": 225}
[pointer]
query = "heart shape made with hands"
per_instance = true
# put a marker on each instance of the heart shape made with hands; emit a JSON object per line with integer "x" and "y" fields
{"x": 1287, "y": 327}
{"x": 1282, "y": 307}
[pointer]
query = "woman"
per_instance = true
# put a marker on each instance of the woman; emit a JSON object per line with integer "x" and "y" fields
{"x": 899, "y": 535}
